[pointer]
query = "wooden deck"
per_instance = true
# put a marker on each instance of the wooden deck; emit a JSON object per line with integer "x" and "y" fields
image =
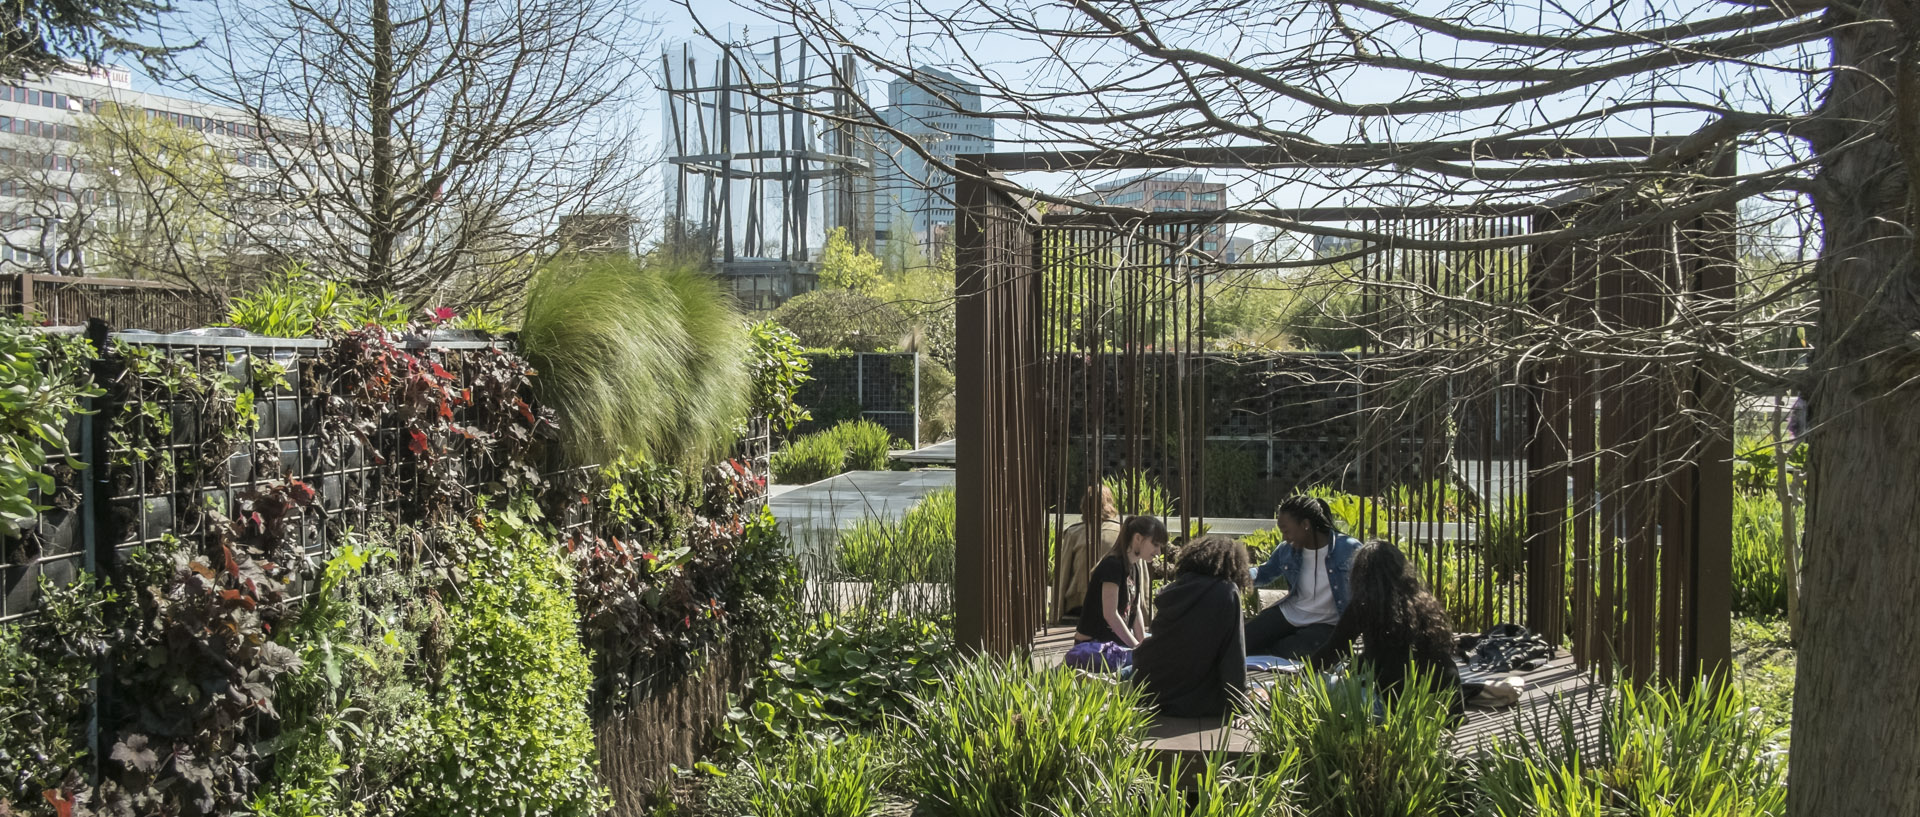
{"x": 1553, "y": 691}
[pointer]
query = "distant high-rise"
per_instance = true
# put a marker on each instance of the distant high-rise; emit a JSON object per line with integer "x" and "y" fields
{"x": 1165, "y": 193}
{"x": 939, "y": 112}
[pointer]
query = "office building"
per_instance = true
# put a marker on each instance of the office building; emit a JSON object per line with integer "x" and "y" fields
{"x": 939, "y": 113}
{"x": 1167, "y": 193}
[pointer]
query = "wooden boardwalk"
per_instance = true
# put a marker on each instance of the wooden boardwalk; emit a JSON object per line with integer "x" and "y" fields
{"x": 1553, "y": 691}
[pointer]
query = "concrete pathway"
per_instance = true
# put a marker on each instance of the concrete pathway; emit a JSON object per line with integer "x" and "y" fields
{"x": 812, "y": 514}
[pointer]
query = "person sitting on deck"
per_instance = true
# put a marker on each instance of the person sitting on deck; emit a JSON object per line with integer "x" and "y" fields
{"x": 1315, "y": 560}
{"x": 1111, "y": 620}
{"x": 1400, "y": 625}
{"x": 1079, "y": 549}
{"x": 1195, "y": 662}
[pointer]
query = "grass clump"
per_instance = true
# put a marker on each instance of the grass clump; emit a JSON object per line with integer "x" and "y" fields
{"x": 638, "y": 358}
{"x": 1662, "y": 753}
{"x": 1759, "y": 583}
{"x": 813, "y": 776}
{"x": 854, "y": 445}
{"x": 919, "y": 548}
{"x": 1000, "y": 738}
{"x": 1353, "y": 757}
{"x": 1212, "y": 788}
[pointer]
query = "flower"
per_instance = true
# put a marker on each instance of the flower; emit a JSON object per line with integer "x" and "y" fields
{"x": 442, "y": 314}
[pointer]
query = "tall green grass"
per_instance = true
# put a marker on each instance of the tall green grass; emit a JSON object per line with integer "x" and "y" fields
{"x": 1661, "y": 753}
{"x": 1351, "y": 760}
{"x": 812, "y": 776}
{"x": 1759, "y": 581}
{"x": 638, "y": 358}
{"x": 1211, "y": 787}
{"x": 1139, "y": 494}
{"x": 854, "y": 445}
{"x": 1001, "y": 738}
{"x": 919, "y": 548}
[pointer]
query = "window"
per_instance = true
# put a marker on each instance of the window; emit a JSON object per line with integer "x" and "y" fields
{"x": 60, "y": 101}
{"x": 1171, "y": 195}
{"x": 1206, "y": 197}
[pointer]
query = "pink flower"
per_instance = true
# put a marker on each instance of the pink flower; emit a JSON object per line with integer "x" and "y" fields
{"x": 442, "y": 314}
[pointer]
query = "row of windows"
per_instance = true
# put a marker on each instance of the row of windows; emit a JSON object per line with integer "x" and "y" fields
{"x": 19, "y": 256}
{"x": 48, "y": 161}
{"x": 45, "y": 99}
{"x": 14, "y": 189}
{"x": 41, "y": 130}
{"x": 207, "y": 124}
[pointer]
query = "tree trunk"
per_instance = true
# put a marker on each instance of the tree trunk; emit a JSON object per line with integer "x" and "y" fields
{"x": 383, "y": 178}
{"x": 1857, "y": 702}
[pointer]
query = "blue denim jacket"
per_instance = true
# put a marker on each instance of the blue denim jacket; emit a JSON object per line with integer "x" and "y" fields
{"x": 1285, "y": 563}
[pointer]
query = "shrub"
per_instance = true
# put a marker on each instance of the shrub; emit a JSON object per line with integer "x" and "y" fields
{"x": 297, "y": 304}
{"x": 357, "y": 636}
{"x": 780, "y": 367}
{"x": 508, "y": 732}
{"x": 839, "y": 674}
{"x": 917, "y": 549}
{"x": 1662, "y": 752}
{"x": 999, "y": 737}
{"x": 814, "y": 776}
{"x": 41, "y": 387}
{"x": 867, "y": 444}
{"x": 842, "y": 319}
{"x": 1352, "y": 760}
{"x": 855, "y": 445}
{"x": 1231, "y": 477}
{"x": 636, "y": 360}
{"x": 809, "y": 459}
{"x": 47, "y": 664}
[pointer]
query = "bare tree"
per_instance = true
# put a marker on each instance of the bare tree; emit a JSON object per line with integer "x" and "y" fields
{"x": 429, "y": 148}
{"x": 1364, "y": 97}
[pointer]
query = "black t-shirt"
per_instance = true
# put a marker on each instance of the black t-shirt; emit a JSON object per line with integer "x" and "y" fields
{"x": 1093, "y": 619}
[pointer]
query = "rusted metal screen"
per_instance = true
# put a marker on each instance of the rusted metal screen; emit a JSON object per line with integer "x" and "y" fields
{"x": 1586, "y": 497}
{"x": 1000, "y": 562}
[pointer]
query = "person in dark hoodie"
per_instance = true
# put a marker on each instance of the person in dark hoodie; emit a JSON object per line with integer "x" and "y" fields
{"x": 1194, "y": 662}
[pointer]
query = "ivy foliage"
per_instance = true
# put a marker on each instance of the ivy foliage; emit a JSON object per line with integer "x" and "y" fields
{"x": 43, "y": 379}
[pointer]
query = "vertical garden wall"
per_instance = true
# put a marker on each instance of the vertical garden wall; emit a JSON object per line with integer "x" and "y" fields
{"x": 353, "y": 574}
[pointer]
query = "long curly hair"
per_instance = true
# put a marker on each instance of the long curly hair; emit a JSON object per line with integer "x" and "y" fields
{"x": 1217, "y": 556}
{"x": 1390, "y": 603}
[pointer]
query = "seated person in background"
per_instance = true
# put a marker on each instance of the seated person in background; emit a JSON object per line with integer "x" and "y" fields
{"x": 1110, "y": 616}
{"x": 1314, "y": 560}
{"x": 1079, "y": 549}
{"x": 1400, "y": 626}
{"x": 1195, "y": 662}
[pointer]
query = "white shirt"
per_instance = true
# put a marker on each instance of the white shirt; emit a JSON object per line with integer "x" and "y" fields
{"x": 1312, "y": 602}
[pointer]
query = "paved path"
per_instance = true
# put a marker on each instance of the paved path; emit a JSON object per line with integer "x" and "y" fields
{"x": 811, "y": 514}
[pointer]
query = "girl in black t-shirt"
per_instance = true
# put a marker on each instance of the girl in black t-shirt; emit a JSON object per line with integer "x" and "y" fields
{"x": 1112, "y": 612}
